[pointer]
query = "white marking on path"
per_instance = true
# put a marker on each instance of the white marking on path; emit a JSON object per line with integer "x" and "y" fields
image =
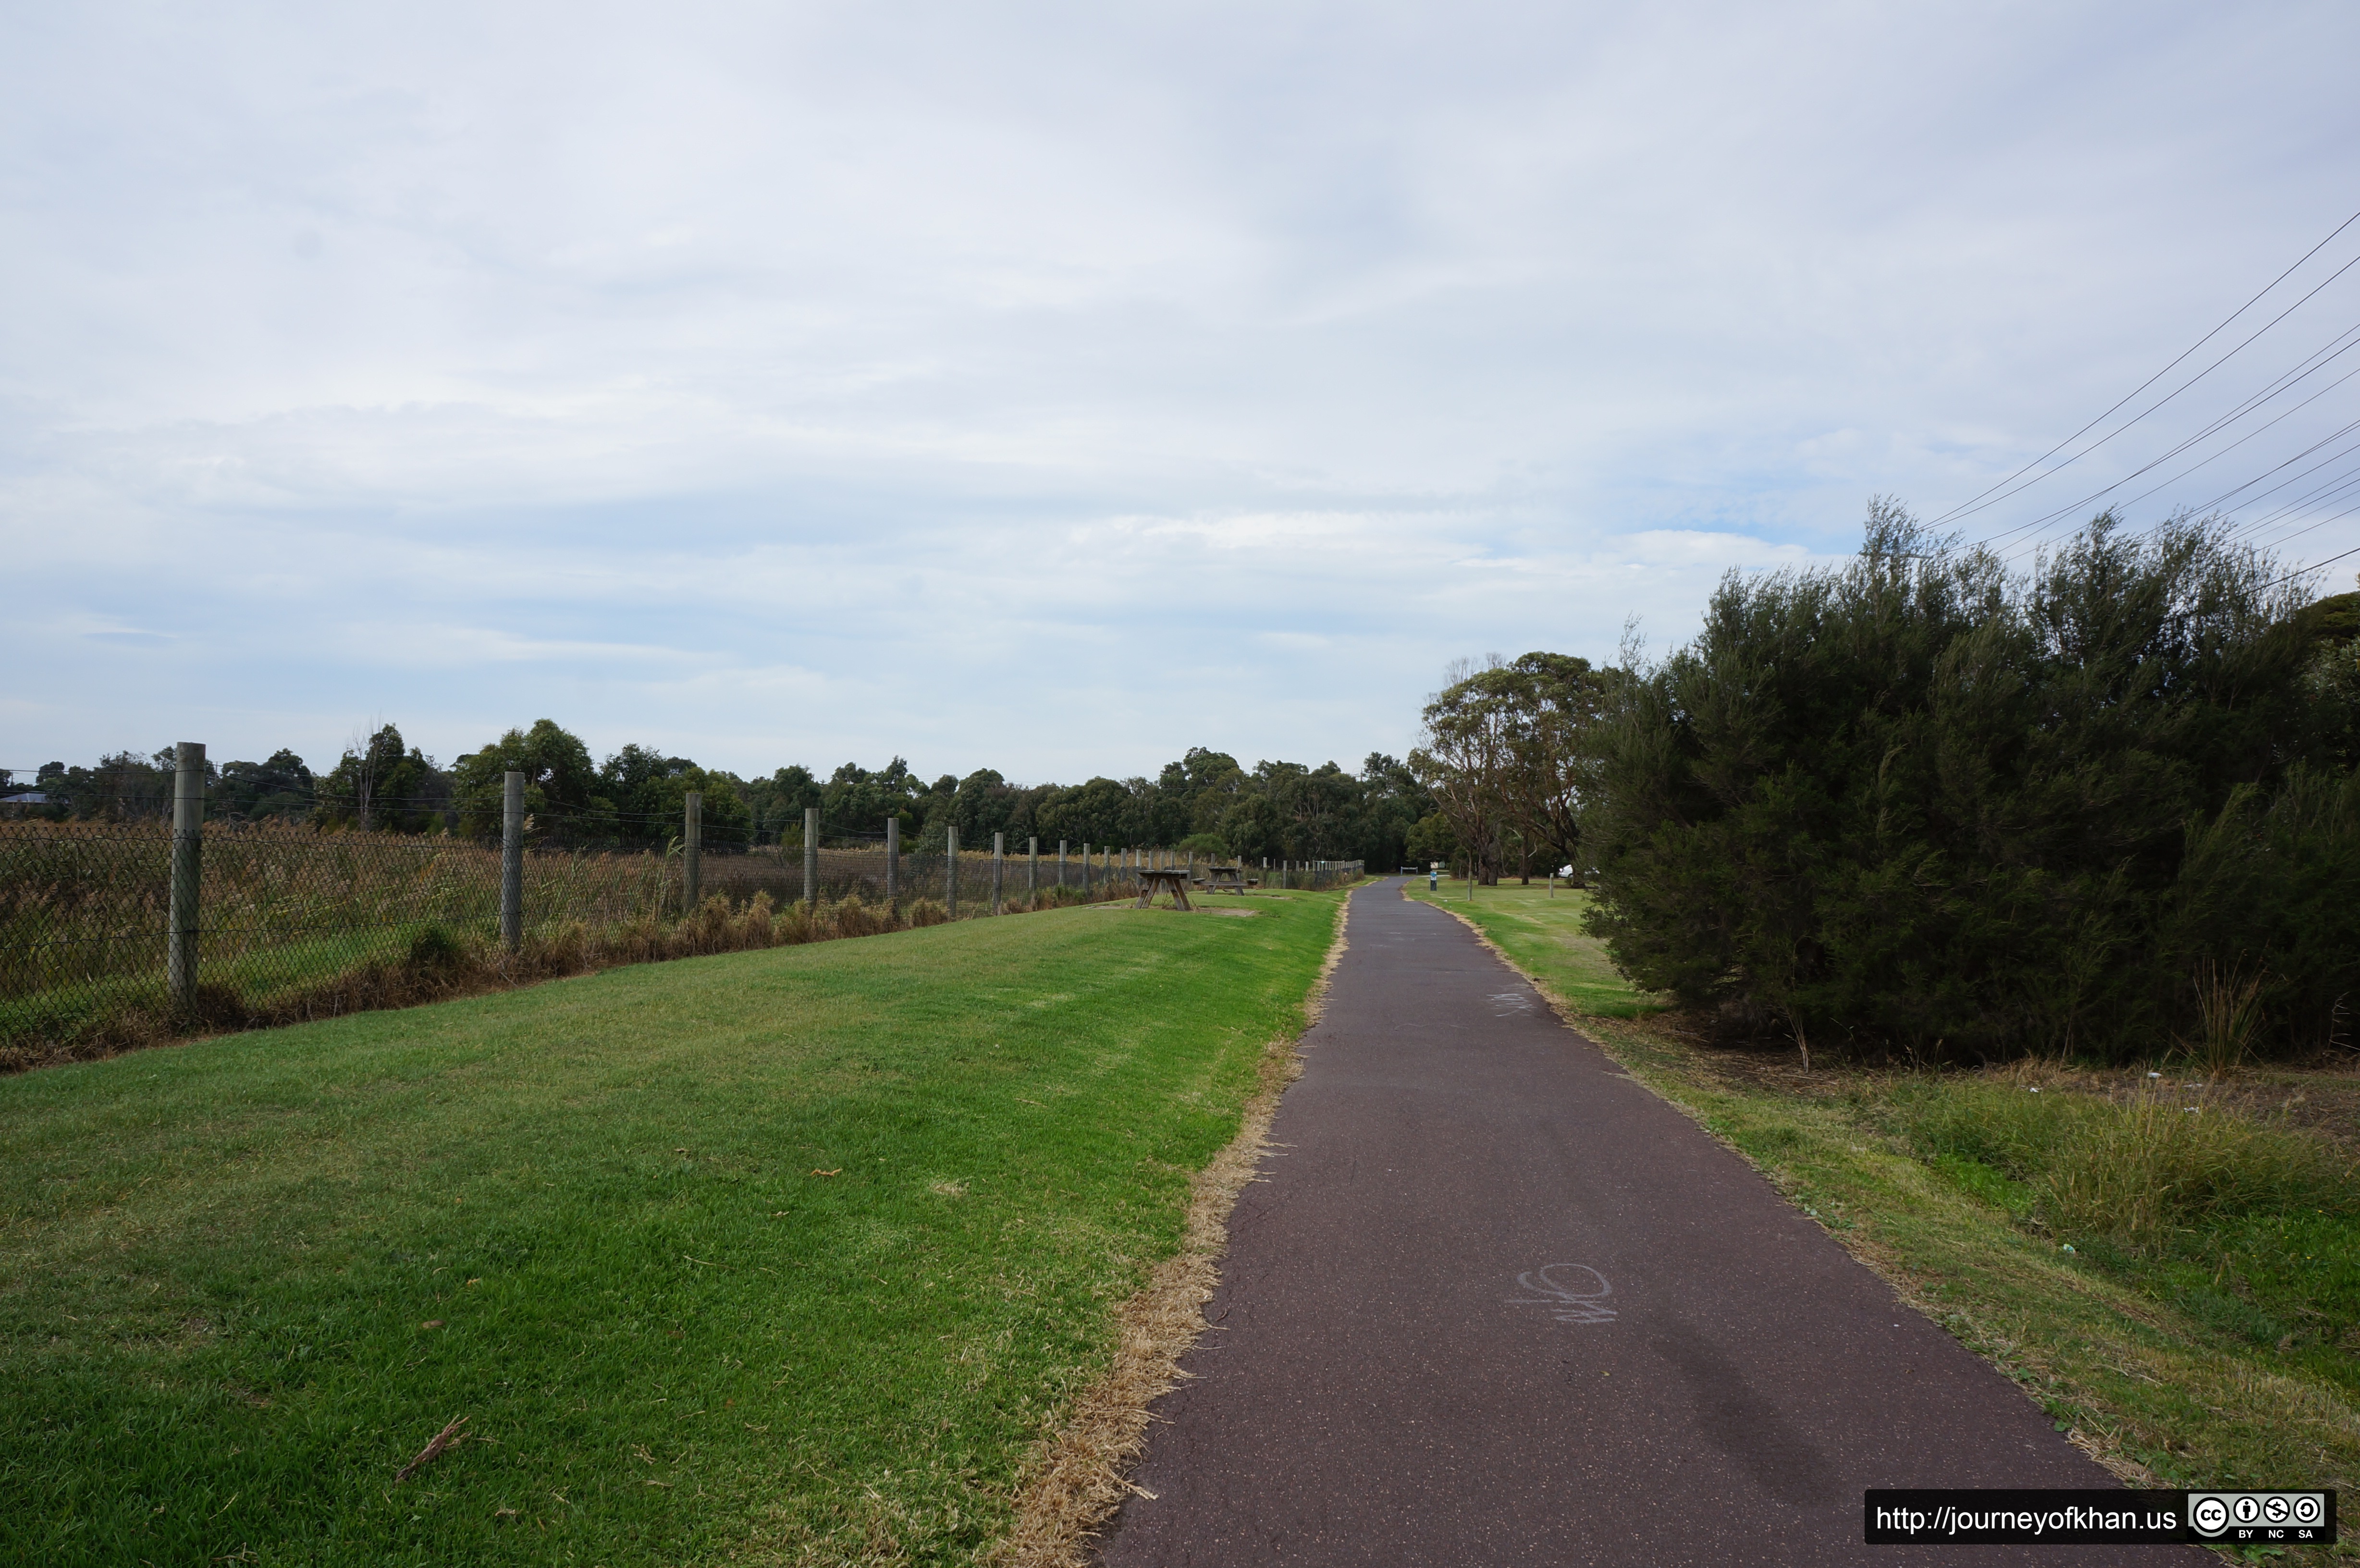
{"x": 1577, "y": 1290}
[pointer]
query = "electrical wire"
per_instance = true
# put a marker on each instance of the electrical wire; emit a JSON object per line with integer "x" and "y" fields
{"x": 2315, "y": 566}
{"x": 2063, "y": 512}
{"x": 2293, "y": 510}
{"x": 1978, "y": 502}
{"x": 2290, "y": 479}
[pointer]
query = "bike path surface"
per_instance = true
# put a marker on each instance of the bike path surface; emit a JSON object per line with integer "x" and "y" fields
{"x": 1492, "y": 1301}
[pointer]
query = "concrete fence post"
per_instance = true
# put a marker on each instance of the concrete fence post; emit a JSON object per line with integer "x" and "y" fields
{"x": 950, "y": 872}
{"x": 1033, "y": 873}
{"x": 691, "y": 850}
{"x": 512, "y": 860}
{"x": 999, "y": 864}
{"x": 188, "y": 871}
{"x": 892, "y": 861}
{"x": 810, "y": 857}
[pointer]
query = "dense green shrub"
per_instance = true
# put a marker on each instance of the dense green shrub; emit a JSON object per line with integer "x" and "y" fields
{"x": 1922, "y": 802}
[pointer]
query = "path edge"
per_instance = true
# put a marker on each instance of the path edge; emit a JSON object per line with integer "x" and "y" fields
{"x": 1079, "y": 1476}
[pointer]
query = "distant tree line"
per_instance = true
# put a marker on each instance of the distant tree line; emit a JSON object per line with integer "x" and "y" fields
{"x": 1206, "y": 801}
{"x": 1928, "y": 804}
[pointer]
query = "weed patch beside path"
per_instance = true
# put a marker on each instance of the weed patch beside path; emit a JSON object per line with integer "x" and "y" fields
{"x": 782, "y": 1256}
{"x": 2204, "y": 1330}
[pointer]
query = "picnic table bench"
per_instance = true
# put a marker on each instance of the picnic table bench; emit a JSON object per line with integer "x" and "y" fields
{"x": 1173, "y": 880}
{"x": 1225, "y": 880}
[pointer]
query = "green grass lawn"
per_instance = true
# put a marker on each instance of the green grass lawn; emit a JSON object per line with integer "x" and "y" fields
{"x": 2226, "y": 1353}
{"x": 243, "y": 1281}
{"x": 1539, "y": 927}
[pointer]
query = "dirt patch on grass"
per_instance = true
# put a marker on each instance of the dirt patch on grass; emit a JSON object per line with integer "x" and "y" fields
{"x": 1081, "y": 1475}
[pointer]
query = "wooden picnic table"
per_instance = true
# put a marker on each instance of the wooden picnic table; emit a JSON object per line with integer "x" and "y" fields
{"x": 1225, "y": 880}
{"x": 1174, "y": 879}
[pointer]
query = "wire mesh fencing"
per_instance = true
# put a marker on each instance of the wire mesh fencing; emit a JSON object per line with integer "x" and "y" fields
{"x": 284, "y": 922}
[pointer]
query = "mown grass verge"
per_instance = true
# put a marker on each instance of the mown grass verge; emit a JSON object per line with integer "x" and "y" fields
{"x": 2203, "y": 1330}
{"x": 788, "y": 1256}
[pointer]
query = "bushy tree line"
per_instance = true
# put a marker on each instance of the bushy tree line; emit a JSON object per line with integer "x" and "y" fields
{"x": 1925, "y": 803}
{"x": 1205, "y": 802}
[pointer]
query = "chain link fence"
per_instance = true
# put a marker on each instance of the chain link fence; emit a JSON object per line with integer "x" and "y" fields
{"x": 279, "y": 922}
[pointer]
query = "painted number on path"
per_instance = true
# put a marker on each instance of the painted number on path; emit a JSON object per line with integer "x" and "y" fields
{"x": 1577, "y": 1291}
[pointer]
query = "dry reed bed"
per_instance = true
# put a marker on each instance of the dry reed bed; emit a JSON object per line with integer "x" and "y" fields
{"x": 438, "y": 962}
{"x": 87, "y": 901}
{"x": 299, "y": 922}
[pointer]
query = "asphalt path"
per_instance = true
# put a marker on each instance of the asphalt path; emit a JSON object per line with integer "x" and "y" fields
{"x": 1494, "y": 1302}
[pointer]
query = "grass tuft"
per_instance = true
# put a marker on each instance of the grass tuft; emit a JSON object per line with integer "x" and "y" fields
{"x": 2153, "y": 1168}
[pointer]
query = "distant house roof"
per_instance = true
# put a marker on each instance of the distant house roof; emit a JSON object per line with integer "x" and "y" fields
{"x": 28, "y": 797}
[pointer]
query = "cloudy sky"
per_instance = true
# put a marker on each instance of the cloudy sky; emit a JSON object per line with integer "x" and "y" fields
{"x": 1052, "y": 388}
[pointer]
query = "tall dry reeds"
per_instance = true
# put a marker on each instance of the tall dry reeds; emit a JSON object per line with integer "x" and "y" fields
{"x": 2144, "y": 1167}
{"x": 2159, "y": 1163}
{"x": 2228, "y": 1017}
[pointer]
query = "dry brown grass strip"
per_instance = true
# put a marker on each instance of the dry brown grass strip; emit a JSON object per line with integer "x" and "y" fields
{"x": 468, "y": 962}
{"x": 1080, "y": 1475}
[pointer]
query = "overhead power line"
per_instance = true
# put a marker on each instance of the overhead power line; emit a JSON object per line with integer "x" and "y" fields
{"x": 2143, "y": 413}
{"x": 2072, "y": 508}
{"x": 1975, "y": 503}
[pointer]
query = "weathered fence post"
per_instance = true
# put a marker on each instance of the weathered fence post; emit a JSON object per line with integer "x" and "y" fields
{"x": 1061, "y": 863}
{"x": 998, "y": 864}
{"x": 188, "y": 868}
{"x": 950, "y": 876}
{"x": 892, "y": 861}
{"x": 1086, "y": 871}
{"x": 810, "y": 857}
{"x": 512, "y": 861}
{"x": 1033, "y": 876}
{"x": 691, "y": 850}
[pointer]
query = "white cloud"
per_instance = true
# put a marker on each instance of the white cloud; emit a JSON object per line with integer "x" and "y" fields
{"x": 1052, "y": 390}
